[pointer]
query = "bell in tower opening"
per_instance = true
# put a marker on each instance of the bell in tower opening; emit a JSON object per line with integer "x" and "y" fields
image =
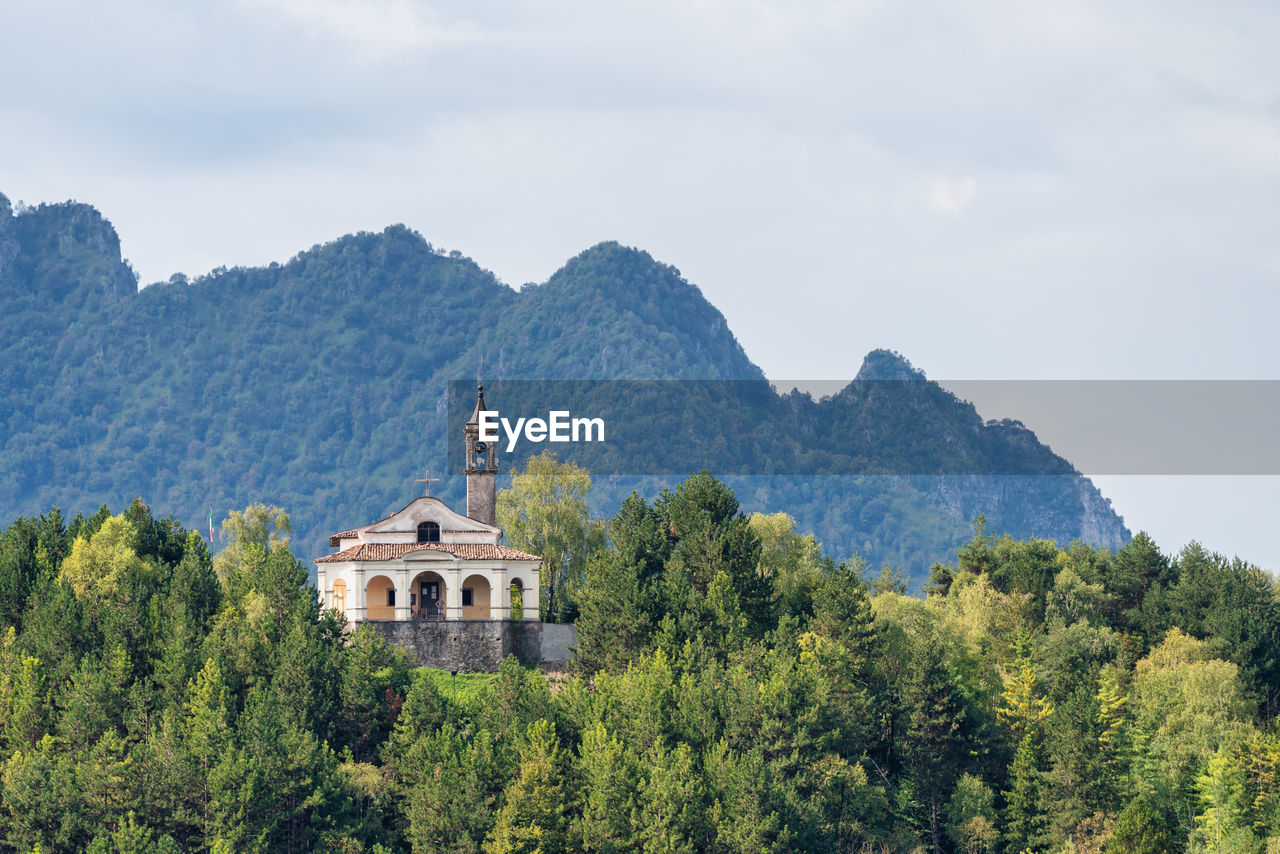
{"x": 481, "y": 470}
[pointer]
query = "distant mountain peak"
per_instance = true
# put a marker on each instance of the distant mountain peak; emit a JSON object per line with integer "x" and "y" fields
{"x": 638, "y": 264}
{"x": 57, "y": 250}
{"x": 882, "y": 364}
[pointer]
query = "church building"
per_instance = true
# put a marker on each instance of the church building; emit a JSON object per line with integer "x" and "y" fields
{"x": 430, "y": 563}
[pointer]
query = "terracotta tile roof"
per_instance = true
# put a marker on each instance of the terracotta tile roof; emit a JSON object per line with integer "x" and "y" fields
{"x": 393, "y": 551}
{"x": 334, "y": 538}
{"x": 485, "y": 551}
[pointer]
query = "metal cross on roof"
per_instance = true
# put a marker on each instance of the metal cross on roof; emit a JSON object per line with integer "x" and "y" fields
{"x": 426, "y": 480}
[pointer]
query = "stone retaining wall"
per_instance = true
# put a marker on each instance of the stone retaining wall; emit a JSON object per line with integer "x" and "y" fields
{"x": 477, "y": 645}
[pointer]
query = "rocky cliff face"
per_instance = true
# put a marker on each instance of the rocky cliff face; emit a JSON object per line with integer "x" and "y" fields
{"x": 8, "y": 240}
{"x": 63, "y": 253}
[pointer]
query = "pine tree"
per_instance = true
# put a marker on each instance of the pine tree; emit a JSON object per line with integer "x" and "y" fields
{"x": 711, "y": 536}
{"x": 933, "y": 740}
{"x": 534, "y": 817}
{"x": 1024, "y": 711}
{"x": 1220, "y": 821}
{"x": 672, "y": 812}
{"x": 207, "y": 737}
{"x": 28, "y": 714}
{"x": 1023, "y": 816}
{"x": 613, "y": 627}
{"x": 977, "y": 555}
{"x": 609, "y": 783}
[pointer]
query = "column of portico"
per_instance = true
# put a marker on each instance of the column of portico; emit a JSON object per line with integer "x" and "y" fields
{"x": 532, "y": 604}
{"x": 453, "y": 592}
{"x": 500, "y": 599}
{"x": 357, "y": 595}
{"x": 402, "y": 592}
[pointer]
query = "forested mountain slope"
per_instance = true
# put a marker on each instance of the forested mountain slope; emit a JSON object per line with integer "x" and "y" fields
{"x": 320, "y": 385}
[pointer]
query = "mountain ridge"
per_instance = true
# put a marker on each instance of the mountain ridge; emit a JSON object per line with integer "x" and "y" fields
{"x": 318, "y": 384}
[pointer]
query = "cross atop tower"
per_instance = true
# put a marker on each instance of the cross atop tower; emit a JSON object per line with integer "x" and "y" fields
{"x": 426, "y": 480}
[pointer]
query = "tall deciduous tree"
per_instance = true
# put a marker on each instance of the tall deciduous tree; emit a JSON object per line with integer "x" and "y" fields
{"x": 259, "y": 526}
{"x": 790, "y": 560}
{"x": 545, "y": 513}
{"x": 96, "y": 564}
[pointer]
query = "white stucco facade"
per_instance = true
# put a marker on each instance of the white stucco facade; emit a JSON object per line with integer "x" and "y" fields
{"x": 426, "y": 562}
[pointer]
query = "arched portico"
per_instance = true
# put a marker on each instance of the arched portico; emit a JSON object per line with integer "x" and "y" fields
{"x": 380, "y": 598}
{"x": 428, "y": 593}
{"x": 339, "y": 602}
{"x": 476, "y": 596}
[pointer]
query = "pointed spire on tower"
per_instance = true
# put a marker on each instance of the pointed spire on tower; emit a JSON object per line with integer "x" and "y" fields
{"x": 480, "y": 407}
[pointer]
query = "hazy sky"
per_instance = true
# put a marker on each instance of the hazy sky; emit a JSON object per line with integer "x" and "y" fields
{"x": 997, "y": 190}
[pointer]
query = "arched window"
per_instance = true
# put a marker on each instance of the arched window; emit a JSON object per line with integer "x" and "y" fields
{"x": 516, "y": 611}
{"x": 428, "y": 532}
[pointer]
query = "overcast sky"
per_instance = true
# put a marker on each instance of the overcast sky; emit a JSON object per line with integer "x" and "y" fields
{"x": 1003, "y": 190}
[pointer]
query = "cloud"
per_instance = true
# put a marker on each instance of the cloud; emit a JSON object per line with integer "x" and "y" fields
{"x": 952, "y": 196}
{"x": 377, "y": 26}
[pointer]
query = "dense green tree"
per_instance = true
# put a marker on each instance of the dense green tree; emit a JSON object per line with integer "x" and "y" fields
{"x": 534, "y": 818}
{"x": 1141, "y": 829}
{"x": 452, "y": 791}
{"x": 1024, "y": 711}
{"x": 30, "y": 551}
{"x": 1026, "y": 566}
{"x": 1220, "y": 820}
{"x": 971, "y": 816}
{"x": 610, "y": 775}
{"x": 1234, "y": 606}
{"x": 713, "y": 584}
{"x": 941, "y": 577}
{"x": 933, "y": 729}
{"x": 743, "y": 813}
{"x": 673, "y": 817}
{"x": 977, "y": 555}
{"x": 1131, "y": 574}
{"x": 374, "y": 680}
{"x": 613, "y": 624}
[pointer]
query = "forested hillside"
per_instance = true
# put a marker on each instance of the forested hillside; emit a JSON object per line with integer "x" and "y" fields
{"x": 320, "y": 385}
{"x": 735, "y": 690}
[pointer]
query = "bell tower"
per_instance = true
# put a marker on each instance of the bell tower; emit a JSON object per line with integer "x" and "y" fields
{"x": 481, "y": 470}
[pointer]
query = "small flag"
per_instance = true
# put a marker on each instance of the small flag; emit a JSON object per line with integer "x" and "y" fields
{"x": 210, "y": 526}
